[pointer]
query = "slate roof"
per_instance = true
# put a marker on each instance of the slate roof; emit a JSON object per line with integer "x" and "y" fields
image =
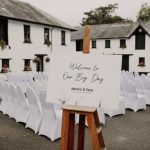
{"x": 110, "y": 31}
{"x": 18, "y": 10}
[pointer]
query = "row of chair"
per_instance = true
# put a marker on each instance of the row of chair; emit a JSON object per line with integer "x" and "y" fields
{"x": 31, "y": 109}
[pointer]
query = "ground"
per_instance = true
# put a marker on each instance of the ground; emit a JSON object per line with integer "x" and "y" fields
{"x": 129, "y": 132}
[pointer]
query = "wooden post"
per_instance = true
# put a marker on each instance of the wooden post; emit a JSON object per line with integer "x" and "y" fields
{"x": 86, "y": 40}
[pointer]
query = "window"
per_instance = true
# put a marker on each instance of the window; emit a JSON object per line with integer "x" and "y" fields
{"x": 63, "y": 38}
{"x": 46, "y": 35}
{"x": 140, "y": 41}
{"x": 5, "y": 66}
{"x": 4, "y": 32}
{"x": 93, "y": 43}
{"x": 141, "y": 61}
{"x": 27, "y": 38}
{"x": 79, "y": 45}
{"x": 27, "y": 66}
{"x": 122, "y": 43}
{"x": 107, "y": 43}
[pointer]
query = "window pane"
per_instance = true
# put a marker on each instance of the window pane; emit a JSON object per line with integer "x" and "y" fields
{"x": 141, "y": 61}
{"x": 79, "y": 45}
{"x": 122, "y": 43}
{"x": 107, "y": 43}
{"x": 27, "y": 34}
{"x": 46, "y": 35}
{"x": 93, "y": 43}
{"x": 63, "y": 34}
{"x": 27, "y": 66}
{"x": 5, "y": 63}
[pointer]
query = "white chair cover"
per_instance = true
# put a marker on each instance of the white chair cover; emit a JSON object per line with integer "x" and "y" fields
{"x": 23, "y": 110}
{"x": 52, "y": 119}
{"x": 35, "y": 115}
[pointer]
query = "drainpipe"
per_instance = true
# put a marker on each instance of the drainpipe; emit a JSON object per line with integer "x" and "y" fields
{"x": 52, "y": 38}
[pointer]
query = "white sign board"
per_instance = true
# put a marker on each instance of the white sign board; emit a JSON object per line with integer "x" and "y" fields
{"x": 84, "y": 79}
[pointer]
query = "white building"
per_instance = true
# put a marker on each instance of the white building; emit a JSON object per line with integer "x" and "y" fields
{"x": 27, "y": 33}
{"x": 132, "y": 41}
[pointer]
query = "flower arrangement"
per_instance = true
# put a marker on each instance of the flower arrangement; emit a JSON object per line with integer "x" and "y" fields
{"x": 141, "y": 64}
{"x": 123, "y": 46}
{"x": 5, "y": 69}
{"x": 27, "y": 40}
{"x": 27, "y": 68}
{"x": 36, "y": 59}
{"x": 2, "y": 44}
{"x": 47, "y": 42}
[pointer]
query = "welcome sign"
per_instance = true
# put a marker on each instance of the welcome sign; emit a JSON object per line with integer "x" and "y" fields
{"x": 87, "y": 80}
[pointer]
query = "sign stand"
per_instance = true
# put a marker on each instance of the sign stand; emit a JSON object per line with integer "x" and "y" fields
{"x": 89, "y": 113}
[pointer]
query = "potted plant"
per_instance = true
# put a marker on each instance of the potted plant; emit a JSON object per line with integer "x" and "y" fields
{"x": 47, "y": 42}
{"x": 36, "y": 59}
{"x": 47, "y": 59}
{"x": 5, "y": 69}
{"x": 27, "y": 40}
{"x": 27, "y": 68}
{"x": 2, "y": 44}
{"x": 123, "y": 46}
{"x": 141, "y": 64}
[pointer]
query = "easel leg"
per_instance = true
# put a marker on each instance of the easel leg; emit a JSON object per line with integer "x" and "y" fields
{"x": 71, "y": 131}
{"x": 81, "y": 132}
{"x": 93, "y": 133}
{"x": 100, "y": 135}
{"x": 64, "y": 133}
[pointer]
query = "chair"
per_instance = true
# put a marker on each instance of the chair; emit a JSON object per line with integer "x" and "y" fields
{"x": 119, "y": 111}
{"x": 6, "y": 105}
{"x": 35, "y": 115}
{"x": 2, "y": 96}
{"x": 132, "y": 100}
{"x": 13, "y": 101}
{"x": 22, "y": 113}
{"x": 52, "y": 119}
{"x": 146, "y": 83}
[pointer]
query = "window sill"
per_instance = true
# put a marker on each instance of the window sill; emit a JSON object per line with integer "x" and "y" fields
{"x": 141, "y": 66}
{"x": 27, "y": 42}
{"x": 140, "y": 49}
{"x": 27, "y": 70}
{"x": 63, "y": 45}
{"x": 5, "y": 71}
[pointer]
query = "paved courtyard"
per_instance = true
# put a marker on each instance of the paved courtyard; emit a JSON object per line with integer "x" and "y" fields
{"x": 129, "y": 132}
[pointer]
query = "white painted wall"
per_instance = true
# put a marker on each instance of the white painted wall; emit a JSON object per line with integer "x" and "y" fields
{"x": 130, "y": 49}
{"x": 20, "y": 50}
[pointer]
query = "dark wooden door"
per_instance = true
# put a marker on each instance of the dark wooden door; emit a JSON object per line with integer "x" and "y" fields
{"x": 40, "y": 65}
{"x": 125, "y": 62}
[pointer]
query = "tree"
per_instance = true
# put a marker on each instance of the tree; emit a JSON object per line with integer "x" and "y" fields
{"x": 103, "y": 15}
{"x": 144, "y": 13}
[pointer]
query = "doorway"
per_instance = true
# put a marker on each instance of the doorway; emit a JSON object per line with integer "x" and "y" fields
{"x": 40, "y": 62}
{"x": 125, "y": 62}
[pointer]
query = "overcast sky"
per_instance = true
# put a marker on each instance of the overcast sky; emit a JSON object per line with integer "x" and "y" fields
{"x": 71, "y": 11}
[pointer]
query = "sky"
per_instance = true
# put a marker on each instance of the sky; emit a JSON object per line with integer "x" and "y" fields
{"x": 72, "y": 11}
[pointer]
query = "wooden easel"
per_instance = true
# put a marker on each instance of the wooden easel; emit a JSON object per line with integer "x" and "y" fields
{"x": 89, "y": 113}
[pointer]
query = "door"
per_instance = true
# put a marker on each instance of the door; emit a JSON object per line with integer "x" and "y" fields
{"x": 125, "y": 62}
{"x": 40, "y": 65}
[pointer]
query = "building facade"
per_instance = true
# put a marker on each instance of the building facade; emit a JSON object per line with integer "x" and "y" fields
{"x": 28, "y": 36}
{"x": 131, "y": 41}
